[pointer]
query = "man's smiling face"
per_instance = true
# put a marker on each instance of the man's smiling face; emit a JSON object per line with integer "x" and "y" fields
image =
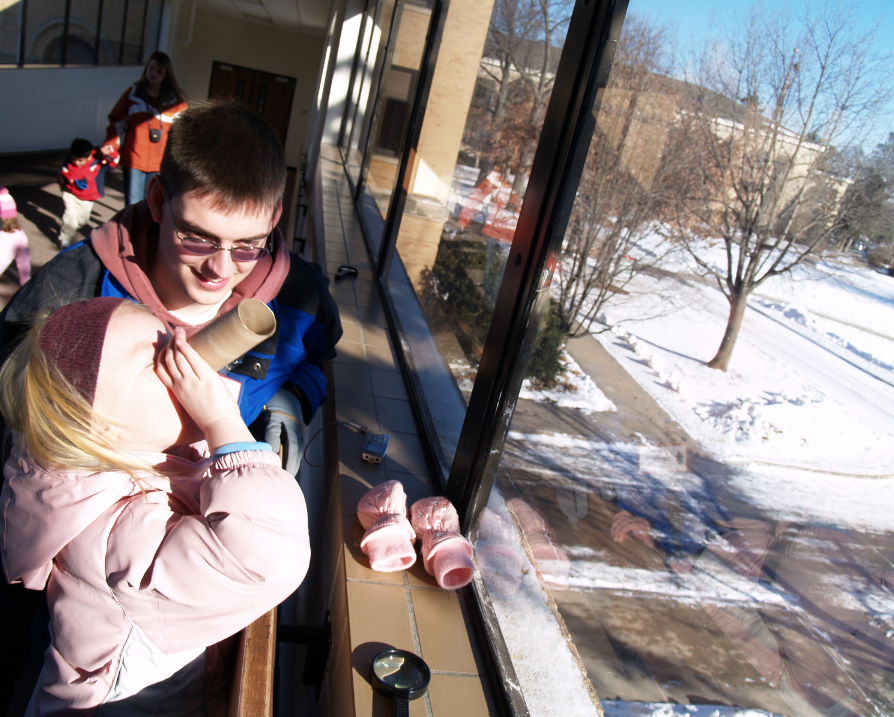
{"x": 182, "y": 279}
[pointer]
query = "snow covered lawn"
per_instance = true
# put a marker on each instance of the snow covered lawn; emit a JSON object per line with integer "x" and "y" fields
{"x": 811, "y": 381}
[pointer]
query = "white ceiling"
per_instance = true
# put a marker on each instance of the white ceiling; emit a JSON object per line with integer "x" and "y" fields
{"x": 307, "y": 16}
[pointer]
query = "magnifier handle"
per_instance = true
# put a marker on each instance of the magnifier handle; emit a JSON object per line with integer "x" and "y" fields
{"x": 401, "y": 707}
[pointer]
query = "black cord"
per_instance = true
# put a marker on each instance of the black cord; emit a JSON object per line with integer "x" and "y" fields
{"x": 357, "y": 426}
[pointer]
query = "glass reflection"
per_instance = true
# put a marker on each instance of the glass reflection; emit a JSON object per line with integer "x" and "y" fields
{"x": 667, "y": 604}
{"x": 467, "y": 179}
{"x": 373, "y": 47}
{"x": 708, "y": 541}
{"x": 389, "y": 126}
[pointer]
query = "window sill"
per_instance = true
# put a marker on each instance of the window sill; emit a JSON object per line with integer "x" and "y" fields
{"x": 374, "y": 611}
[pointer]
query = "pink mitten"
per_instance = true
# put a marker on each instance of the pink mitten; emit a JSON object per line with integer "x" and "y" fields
{"x": 447, "y": 555}
{"x": 389, "y": 537}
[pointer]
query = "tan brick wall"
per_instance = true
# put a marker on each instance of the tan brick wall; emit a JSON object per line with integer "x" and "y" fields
{"x": 417, "y": 244}
{"x": 410, "y": 41}
{"x": 451, "y": 93}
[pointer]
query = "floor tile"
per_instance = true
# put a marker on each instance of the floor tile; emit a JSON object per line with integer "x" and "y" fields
{"x": 357, "y": 408}
{"x": 380, "y": 619}
{"x": 351, "y": 331}
{"x": 452, "y": 696}
{"x": 388, "y": 384}
{"x": 405, "y": 455}
{"x": 352, "y": 378}
{"x": 443, "y": 631}
{"x": 395, "y": 415}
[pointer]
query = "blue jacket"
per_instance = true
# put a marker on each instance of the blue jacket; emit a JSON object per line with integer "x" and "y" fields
{"x": 109, "y": 264}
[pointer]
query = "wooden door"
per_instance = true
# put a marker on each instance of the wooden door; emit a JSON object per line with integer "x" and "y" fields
{"x": 230, "y": 82}
{"x": 268, "y": 94}
{"x": 271, "y": 97}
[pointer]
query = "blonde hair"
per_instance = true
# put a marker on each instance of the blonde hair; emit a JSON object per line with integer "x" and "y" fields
{"x": 57, "y": 424}
{"x": 11, "y": 224}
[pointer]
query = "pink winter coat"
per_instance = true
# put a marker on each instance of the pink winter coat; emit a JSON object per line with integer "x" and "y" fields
{"x": 139, "y": 584}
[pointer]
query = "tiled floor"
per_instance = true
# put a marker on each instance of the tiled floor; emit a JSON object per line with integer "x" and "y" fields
{"x": 404, "y": 609}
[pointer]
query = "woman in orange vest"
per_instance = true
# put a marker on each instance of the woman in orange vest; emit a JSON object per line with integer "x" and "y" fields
{"x": 140, "y": 121}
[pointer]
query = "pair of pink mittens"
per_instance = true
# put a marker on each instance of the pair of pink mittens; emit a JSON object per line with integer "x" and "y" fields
{"x": 389, "y": 536}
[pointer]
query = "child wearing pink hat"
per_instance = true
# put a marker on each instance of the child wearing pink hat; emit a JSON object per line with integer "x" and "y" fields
{"x": 137, "y": 496}
{"x": 13, "y": 242}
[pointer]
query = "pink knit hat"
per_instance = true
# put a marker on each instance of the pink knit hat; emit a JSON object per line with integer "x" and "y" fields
{"x": 73, "y": 337}
{"x": 7, "y": 204}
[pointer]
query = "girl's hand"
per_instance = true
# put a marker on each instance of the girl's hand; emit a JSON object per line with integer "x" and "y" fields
{"x": 201, "y": 392}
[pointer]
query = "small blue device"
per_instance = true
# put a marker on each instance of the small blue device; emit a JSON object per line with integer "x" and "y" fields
{"x": 375, "y": 447}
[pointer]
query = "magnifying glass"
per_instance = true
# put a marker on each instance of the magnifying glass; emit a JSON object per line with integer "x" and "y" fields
{"x": 400, "y": 675}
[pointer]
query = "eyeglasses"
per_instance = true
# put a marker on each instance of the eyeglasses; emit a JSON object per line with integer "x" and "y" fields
{"x": 205, "y": 247}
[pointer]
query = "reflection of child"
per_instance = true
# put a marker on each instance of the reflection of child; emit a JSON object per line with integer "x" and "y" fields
{"x": 13, "y": 242}
{"x": 82, "y": 179}
{"x": 152, "y": 550}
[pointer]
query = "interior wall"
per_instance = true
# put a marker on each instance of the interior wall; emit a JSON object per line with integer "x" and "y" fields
{"x": 257, "y": 47}
{"x": 46, "y": 108}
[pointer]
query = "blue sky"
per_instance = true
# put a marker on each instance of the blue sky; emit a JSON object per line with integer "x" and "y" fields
{"x": 692, "y": 17}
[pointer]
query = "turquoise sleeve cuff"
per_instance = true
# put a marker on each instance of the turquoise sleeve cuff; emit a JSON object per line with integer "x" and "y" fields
{"x": 244, "y": 446}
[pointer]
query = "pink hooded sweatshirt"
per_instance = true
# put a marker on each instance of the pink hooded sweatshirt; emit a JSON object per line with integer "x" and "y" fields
{"x": 142, "y": 584}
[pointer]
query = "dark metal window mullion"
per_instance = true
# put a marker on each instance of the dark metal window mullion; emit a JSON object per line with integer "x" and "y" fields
{"x": 143, "y": 31}
{"x": 22, "y": 29}
{"x": 123, "y": 33}
{"x": 555, "y": 174}
{"x": 98, "y": 34}
{"x": 63, "y": 55}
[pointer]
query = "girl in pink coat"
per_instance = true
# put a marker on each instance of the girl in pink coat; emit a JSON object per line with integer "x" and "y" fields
{"x": 13, "y": 242}
{"x": 154, "y": 544}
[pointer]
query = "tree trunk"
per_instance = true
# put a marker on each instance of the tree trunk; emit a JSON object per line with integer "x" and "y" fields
{"x": 737, "y": 304}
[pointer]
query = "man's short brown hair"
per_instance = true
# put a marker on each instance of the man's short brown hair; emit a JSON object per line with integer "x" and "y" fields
{"x": 227, "y": 152}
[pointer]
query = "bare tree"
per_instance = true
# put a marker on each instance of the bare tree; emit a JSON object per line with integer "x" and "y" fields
{"x": 629, "y": 179}
{"x": 770, "y": 102}
{"x": 520, "y": 59}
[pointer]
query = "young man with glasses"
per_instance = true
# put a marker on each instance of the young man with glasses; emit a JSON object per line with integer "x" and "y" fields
{"x": 204, "y": 239}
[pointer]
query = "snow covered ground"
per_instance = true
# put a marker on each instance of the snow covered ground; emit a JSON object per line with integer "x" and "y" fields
{"x": 811, "y": 381}
{"x": 804, "y": 417}
{"x": 806, "y": 410}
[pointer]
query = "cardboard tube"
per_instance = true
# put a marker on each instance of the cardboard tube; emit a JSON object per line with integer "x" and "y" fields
{"x": 239, "y": 330}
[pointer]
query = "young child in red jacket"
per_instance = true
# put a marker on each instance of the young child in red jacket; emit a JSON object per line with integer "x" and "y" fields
{"x": 82, "y": 179}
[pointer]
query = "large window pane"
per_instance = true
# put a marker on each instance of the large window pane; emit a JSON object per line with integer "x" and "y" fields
{"x": 45, "y": 27}
{"x": 693, "y": 490}
{"x": 374, "y": 42}
{"x": 111, "y": 31}
{"x": 467, "y": 182}
{"x": 10, "y": 29}
{"x": 82, "y": 24}
{"x": 153, "y": 26}
{"x": 133, "y": 32}
{"x": 45, "y": 32}
{"x": 390, "y": 121}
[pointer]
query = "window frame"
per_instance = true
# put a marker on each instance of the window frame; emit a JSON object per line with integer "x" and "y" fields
{"x": 66, "y": 24}
{"x": 570, "y": 121}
